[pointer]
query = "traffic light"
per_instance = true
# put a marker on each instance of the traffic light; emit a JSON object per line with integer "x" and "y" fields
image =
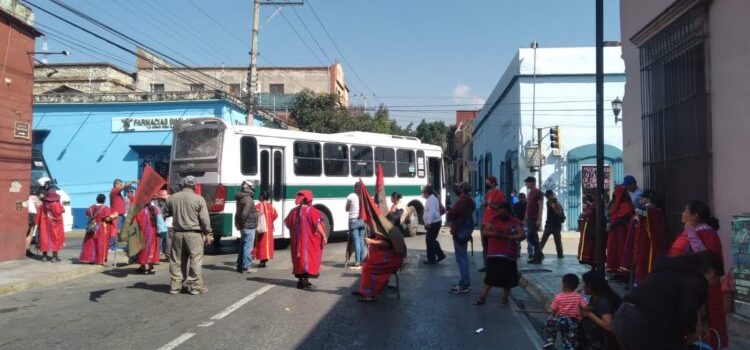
{"x": 554, "y": 138}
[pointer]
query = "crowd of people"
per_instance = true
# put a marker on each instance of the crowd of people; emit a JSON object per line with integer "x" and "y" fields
{"x": 675, "y": 298}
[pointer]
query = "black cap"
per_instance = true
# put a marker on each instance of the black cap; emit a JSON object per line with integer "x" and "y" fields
{"x": 530, "y": 179}
{"x": 549, "y": 193}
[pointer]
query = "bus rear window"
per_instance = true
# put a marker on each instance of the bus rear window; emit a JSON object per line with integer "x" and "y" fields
{"x": 203, "y": 143}
{"x": 307, "y": 159}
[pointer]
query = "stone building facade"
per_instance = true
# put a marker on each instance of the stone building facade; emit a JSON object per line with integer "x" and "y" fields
{"x": 81, "y": 77}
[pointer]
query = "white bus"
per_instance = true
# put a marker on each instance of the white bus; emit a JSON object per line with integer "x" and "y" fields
{"x": 221, "y": 156}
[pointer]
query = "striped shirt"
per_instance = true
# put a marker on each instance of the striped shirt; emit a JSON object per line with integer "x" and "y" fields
{"x": 568, "y": 304}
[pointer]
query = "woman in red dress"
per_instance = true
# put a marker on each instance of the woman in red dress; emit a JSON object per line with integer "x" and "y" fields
{"x": 149, "y": 255}
{"x": 50, "y": 224}
{"x": 700, "y": 234}
{"x": 587, "y": 229}
{"x": 96, "y": 244}
{"x": 381, "y": 262}
{"x": 651, "y": 238}
{"x": 308, "y": 236}
{"x": 620, "y": 213}
{"x": 263, "y": 249}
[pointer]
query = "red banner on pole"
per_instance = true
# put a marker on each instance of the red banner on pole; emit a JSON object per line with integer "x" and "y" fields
{"x": 150, "y": 183}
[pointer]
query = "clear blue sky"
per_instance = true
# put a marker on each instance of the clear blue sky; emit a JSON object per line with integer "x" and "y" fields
{"x": 408, "y": 52}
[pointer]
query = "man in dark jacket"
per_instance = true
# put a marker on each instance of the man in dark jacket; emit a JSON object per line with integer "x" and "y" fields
{"x": 462, "y": 225}
{"x": 246, "y": 220}
{"x": 664, "y": 309}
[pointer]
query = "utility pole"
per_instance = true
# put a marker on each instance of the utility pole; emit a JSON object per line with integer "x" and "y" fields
{"x": 252, "y": 75}
{"x": 534, "y": 45}
{"x": 599, "y": 266}
{"x": 541, "y": 155}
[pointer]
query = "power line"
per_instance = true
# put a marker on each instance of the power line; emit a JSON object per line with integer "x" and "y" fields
{"x": 231, "y": 33}
{"x": 343, "y": 57}
{"x": 126, "y": 37}
{"x": 300, "y": 38}
{"x": 309, "y": 32}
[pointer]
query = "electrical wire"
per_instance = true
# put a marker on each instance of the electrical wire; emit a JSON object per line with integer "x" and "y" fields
{"x": 309, "y": 32}
{"x": 343, "y": 57}
{"x": 301, "y": 39}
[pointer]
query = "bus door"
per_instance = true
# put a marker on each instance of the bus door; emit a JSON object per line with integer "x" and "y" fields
{"x": 434, "y": 168}
{"x": 272, "y": 181}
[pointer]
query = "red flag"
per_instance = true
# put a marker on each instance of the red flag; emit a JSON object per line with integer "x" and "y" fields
{"x": 380, "y": 197}
{"x": 150, "y": 183}
{"x": 377, "y": 222}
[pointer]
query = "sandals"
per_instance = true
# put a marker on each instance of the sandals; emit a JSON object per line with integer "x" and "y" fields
{"x": 479, "y": 301}
{"x": 141, "y": 270}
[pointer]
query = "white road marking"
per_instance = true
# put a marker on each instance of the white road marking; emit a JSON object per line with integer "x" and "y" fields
{"x": 241, "y": 302}
{"x": 179, "y": 340}
{"x": 206, "y": 324}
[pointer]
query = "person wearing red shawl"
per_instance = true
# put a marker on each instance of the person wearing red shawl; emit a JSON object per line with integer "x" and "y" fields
{"x": 620, "y": 212}
{"x": 50, "y": 226}
{"x": 385, "y": 245}
{"x": 651, "y": 236}
{"x": 700, "y": 234}
{"x": 308, "y": 236}
{"x": 95, "y": 247}
{"x": 149, "y": 254}
{"x": 263, "y": 249}
{"x": 587, "y": 228}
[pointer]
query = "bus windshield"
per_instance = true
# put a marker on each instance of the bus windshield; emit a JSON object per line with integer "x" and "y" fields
{"x": 198, "y": 143}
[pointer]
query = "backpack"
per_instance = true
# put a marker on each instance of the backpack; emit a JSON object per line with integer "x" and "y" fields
{"x": 91, "y": 225}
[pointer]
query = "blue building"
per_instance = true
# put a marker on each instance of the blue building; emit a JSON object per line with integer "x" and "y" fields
{"x": 88, "y": 140}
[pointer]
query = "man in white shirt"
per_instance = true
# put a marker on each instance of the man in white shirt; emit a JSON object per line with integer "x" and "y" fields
{"x": 432, "y": 222}
{"x": 356, "y": 227}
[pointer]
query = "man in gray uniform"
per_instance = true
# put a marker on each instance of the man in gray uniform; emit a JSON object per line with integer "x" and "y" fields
{"x": 192, "y": 229}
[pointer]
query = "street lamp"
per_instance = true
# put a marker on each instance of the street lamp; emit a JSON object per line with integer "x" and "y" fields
{"x": 63, "y": 52}
{"x": 617, "y": 108}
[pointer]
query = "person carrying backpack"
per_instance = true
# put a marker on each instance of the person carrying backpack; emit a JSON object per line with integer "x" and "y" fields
{"x": 553, "y": 225}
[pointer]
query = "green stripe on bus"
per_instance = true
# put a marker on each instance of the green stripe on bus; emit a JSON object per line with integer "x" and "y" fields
{"x": 222, "y": 223}
{"x": 329, "y": 191}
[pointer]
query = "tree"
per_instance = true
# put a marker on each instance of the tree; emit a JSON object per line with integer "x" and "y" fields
{"x": 323, "y": 113}
{"x": 434, "y": 133}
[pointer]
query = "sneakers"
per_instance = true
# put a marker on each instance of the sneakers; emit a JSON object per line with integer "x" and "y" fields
{"x": 459, "y": 290}
{"x": 355, "y": 267}
{"x": 196, "y": 291}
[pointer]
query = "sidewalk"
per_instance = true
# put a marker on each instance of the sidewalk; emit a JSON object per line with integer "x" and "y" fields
{"x": 27, "y": 273}
{"x": 543, "y": 282}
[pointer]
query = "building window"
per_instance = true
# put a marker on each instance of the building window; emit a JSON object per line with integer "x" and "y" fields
{"x": 386, "y": 157}
{"x": 676, "y": 116}
{"x": 307, "y": 159}
{"x": 406, "y": 164}
{"x": 336, "y": 159}
{"x": 235, "y": 89}
{"x": 248, "y": 155}
{"x": 157, "y": 88}
{"x": 197, "y": 87}
{"x": 276, "y": 89}
{"x": 362, "y": 161}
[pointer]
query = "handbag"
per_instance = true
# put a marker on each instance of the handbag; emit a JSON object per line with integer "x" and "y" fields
{"x": 262, "y": 224}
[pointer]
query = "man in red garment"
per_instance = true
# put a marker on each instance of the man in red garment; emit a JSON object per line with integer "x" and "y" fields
{"x": 51, "y": 229}
{"x": 117, "y": 202}
{"x": 308, "y": 236}
{"x": 492, "y": 200}
{"x": 620, "y": 212}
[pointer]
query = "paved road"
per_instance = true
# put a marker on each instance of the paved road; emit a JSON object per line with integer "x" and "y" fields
{"x": 264, "y": 310}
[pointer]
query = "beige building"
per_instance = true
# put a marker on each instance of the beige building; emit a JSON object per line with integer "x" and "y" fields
{"x": 685, "y": 113}
{"x": 81, "y": 77}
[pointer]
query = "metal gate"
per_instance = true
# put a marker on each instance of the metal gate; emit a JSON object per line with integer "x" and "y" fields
{"x": 676, "y": 113}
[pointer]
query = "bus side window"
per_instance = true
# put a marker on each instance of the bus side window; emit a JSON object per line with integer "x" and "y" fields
{"x": 336, "y": 159}
{"x": 406, "y": 164}
{"x": 308, "y": 160}
{"x": 248, "y": 155}
{"x": 420, "y": 164}
{"x": 386, "y": 157}
{"x": 278, "y": 175}
{"x": 362, "y": 164}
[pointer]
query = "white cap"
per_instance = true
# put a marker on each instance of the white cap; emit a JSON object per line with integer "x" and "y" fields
{"x": 43, "y": 181}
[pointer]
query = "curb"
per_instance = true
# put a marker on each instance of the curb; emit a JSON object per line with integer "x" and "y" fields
{"x": 535, "y": 290}
{"x": 48, "y": 280}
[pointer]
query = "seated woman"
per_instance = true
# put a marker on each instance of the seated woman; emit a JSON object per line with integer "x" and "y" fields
{"x": 382, "y": 261}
